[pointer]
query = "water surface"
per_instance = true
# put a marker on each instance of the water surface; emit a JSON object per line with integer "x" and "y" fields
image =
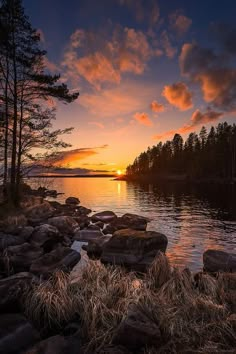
{"x": 194, "y": 218}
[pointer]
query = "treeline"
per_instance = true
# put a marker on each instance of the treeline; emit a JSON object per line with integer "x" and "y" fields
{"x": 207, "y": 155}
{"x": 25, "y": 90}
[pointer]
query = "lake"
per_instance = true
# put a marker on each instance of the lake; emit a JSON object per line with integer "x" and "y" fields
{"x": 194, "y": 218}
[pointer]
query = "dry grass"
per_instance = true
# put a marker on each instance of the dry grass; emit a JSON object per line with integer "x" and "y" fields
{"x": 50, "y": 304}
{"x": 103, "y": 296}
{"x": 191, "y": 314}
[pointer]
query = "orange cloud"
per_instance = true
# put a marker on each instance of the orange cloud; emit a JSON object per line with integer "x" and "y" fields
{"x": 157, "y": 107}
{"x": 71, "y": 157}
{"x": 179, "y": 22}
{"x": 97, "y": 69}
{"x": 50, "y": 65}
{"x": 197, "y": 119}
{"x": 178, "y": 95}
{"x": 143, "y": 118}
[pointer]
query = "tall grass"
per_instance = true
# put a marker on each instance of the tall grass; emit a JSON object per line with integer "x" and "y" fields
{"x": 191, "y": 312}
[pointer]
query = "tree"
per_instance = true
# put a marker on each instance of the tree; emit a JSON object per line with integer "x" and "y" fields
{"x": 25, "y": 86}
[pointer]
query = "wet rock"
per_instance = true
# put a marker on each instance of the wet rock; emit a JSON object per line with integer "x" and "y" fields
{"x": 16, "y": 334}
{"x": 72, "y": 201}
{"x": 9, "y": 240}
{"x": 137, "y": 331}
{"x": 104, "y": 216}
{"x": 21, "y": 257}
{"x": 86, "y": 235}
{"x": 46, "y": 236}
{"x": 62, "y": 258}
{"x": 65, "y": 224}
{"x": 56, "y": 345}
{"x": 95, "y": 247}
{"x": 133, "y": 249}
{"x": 40, "y": 212}
{"x": 12, "y": 291}
{"x": 216, "y": 261}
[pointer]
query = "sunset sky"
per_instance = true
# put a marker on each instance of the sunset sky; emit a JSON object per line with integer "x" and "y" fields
{"x": 145, "y": 69}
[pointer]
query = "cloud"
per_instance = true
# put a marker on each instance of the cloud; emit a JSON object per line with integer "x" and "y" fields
{"x": 157, "y": 107}
{"x": 178, "y": 95}
{"x": 100, "y": 58}
{"x": 214, "y": 71}
{"x": 73, "y": 156}
{"x": 118, "y": 102}
{"x": 179, "y": 22}
{"x": 50, "y": 65}
{"x": 169, "y": 50}
{"x": 143, "y": 118}
{"x": 198, "y": 118}
{"x": 97, "y": 124}
{"x": 97, "y": 69}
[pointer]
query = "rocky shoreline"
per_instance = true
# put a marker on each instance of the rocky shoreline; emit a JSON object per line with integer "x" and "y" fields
{"x": 46, "y": 237}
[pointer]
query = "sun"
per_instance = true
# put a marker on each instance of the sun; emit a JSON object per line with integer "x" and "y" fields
{"x": 119, "y": 173}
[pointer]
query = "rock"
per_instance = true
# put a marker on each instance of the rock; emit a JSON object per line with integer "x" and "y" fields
{"x": 26, "y": 232}
{"x": 86, "y": 235}
{"x": 104, "y": 216}
{"x": 78, "y": 268}
{"x": 65, "y": 224}
{"x": 72, "y": 201}
{"x": 133, "y": 249}
{"x": 100, "y": 224}
{"x": 93, "y": 227}
{"x": 62, "y": 258}
{"x": 81, "y": 210}
{"x": 9, "y": 240}
{"x": 127, "y": 221}
{"x": 46, "y": 236}
{"x": 95, "y": 247}
{"x": 216, "y": 261}
{"x": 56, "y": 345}
{"x": 12, "y": 291}
{"x": 137, "y": 331}
{"x": 82, "y": 220}
{"x": 16, "y": 334}
{"x": 40, "y": 212}
{"x": 21, "y": 257}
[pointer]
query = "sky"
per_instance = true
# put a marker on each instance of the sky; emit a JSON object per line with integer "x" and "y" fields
{"x": 145, "y": 70}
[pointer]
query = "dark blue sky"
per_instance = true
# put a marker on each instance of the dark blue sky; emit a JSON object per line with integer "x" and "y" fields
{"x": 145, "y": 69}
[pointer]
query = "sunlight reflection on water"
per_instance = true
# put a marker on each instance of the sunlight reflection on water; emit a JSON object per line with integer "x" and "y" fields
{"x": 193, "y": 218}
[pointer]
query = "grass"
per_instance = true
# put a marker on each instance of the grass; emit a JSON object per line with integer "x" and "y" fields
{"x": 191, "y": 312}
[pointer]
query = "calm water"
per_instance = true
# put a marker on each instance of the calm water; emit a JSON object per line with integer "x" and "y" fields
{"x": 193, "y": 218}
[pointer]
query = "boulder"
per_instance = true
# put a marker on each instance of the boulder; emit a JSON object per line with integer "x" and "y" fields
{"x": 56, "y": 345}
{"x": 104, "y": 216}
{"x": 9, "y": 240}
{"x": 72, "y": 201}
{"x": 86, "y": 235}
{"x": 12, "y": 291}
{"x": 16, "y": 334}
{"x": 137, "y": 331}
{"x": 219, "y": 261}
{"x": 21, "y": 257}
{"x": 40, "y": 212}
{"x": 62, "y": 258}
{"x": 133, "y": 249}
{"x": 46, "y": 236}
{"x": 65, "y": 224}
{"x": 26, "y": 232}
{"x": 127, "y": 221}
{"x": 30, "y": 201}
{"x": 95, "y": 247}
